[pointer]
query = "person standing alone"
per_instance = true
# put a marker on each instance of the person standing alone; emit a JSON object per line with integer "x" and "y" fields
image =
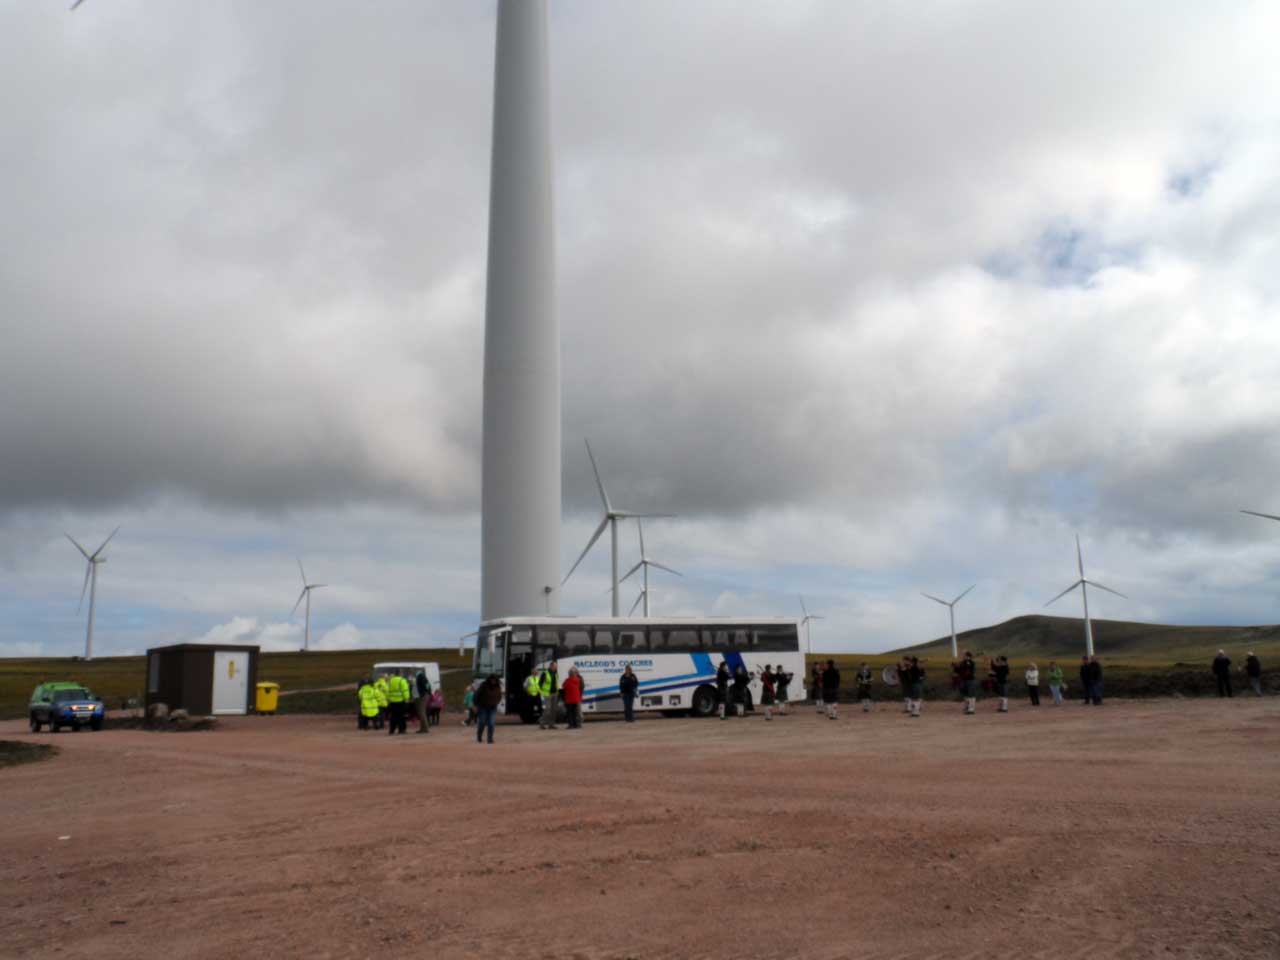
{"x": 422, "y": 687}
{"x": 968, "y": 683}
{"x": 1095, "y": 681}
{"x": 1033, "y": 684}
{"x": 783, "y": 680}
{"x": 915, "y": 686}
{"x": 1055, "y": 682}
{"x": 488, "y": 697}
{"x": 1253, "y": 670}
{"x": 864, "y": 678}
{"x": 1222, "y": 672}
{"x": 1000, "y": 674}
{"x": 1086, "y": 688}
{"x": 831, "y": 688}
{"x": 628, "y": 684}
{"x": 722, "y": 687}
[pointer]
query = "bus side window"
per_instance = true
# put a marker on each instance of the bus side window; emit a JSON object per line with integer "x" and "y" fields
{"x": 683, "y": 641}
{"x": 657, "y": 640}
{"x": 576, "y": 642}
{"x": 602, "y": 641}
{"x": 627, "y": 642}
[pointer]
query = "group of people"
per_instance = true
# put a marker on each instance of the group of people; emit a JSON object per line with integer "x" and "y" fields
{"x": 1222, "y": 673}
{"x": 734, "y": 688}
{"x": 384, "y": 702}
{"x": 547, "y": 694}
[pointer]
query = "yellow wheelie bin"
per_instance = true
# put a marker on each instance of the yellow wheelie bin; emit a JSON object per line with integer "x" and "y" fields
{"x": 268, "y": 695}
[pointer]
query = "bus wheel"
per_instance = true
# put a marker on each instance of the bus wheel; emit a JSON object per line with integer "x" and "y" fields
{"x": 703, "y": 703}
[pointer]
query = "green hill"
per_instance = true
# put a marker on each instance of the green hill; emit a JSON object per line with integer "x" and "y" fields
{"x": 1115, "y": 640}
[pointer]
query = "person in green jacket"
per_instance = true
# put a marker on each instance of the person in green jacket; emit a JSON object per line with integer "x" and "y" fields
{"x": 368, "y": 703}
{"x": 398, "y": 702}
{"x": 1054, "y": 676}
{"x": 380, "y": 691}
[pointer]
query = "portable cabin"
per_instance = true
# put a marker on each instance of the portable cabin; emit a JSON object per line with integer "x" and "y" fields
{"x": 205, "y": 679}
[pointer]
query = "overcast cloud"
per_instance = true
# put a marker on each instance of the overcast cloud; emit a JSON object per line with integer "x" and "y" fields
{"x": 877, "y": 298}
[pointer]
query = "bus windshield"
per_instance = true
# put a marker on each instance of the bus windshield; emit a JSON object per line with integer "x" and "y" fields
{"x": 490, "y": 661}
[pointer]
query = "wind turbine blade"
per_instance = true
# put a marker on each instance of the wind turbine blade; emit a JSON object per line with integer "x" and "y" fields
{"x": 663, "y": 566}
{"x": 76, "y": 4}
{"x": 316, "y": 586}
{"x": 962, "y": 596}
{"x": 590, "y": 543}
{"x": 930, "y": 596}
{"x": 803, "y": 608}
{"x": 303, "y": 572}
{"x": 88, "y": 569}
{"x": 634, "y": 569}
{"x": 1255, "y": 513}
{"x": 640, "y": 530}
{"x": 1064, "y": 593}
{"x": 295, "y": 606}
{"x": 636, "y": 604}
{"x": 1079, "y": 557}
{"x": 82, "y": 550}
{"x": 1095, "y": 583}
{"x": 814, "y": 616}
{"x": 106, "y": 541}
{"x": 630, "y": 514}
{"x": 604, "y": 497}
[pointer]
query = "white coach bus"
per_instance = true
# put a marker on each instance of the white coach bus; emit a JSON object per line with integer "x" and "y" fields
{"x": 675, "y": 659}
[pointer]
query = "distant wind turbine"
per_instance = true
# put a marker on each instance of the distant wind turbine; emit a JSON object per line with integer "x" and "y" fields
{"x": 305, "y": 595}
{"x": 951, "y": 608}
{"x": 808, "y": 618}
{"x": 1083, "y": 583}
{"x": 643, "y": 566}
{"x": 610, "y": 520}
{"x": 90, "y": 582}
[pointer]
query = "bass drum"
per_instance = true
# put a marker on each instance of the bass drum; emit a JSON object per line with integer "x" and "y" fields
{"x": 890, "y": 676}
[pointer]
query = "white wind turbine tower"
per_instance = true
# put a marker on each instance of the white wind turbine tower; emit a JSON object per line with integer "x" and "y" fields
{"x": 643, "y": 566}
{"x": 808, "y": 618}
{"x": 91, "y": 582}
{"x": 305, "y": 595}
{"x": 610, "y": 520}
{"x": 1084, "y": 583}
{"x": 951, "y": 608}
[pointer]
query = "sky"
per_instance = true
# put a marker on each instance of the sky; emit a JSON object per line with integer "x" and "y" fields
{"x": 877, "y": 298}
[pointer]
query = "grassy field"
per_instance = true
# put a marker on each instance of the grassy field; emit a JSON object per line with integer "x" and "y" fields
{"x": 116, "y": 679}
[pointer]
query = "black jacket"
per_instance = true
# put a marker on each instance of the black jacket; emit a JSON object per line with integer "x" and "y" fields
{"x": 1222, "y": 666}
{"x": 1253, "y": 667}
{"x": 830, "y": 679}
{"x": 1095, "y": 672}
{"x": 628, "y": 685}
{"x": 722, "y": 678}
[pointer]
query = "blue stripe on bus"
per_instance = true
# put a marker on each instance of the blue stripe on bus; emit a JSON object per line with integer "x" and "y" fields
{"x": 734, "y": 660}
{"x": 671, "y": 685}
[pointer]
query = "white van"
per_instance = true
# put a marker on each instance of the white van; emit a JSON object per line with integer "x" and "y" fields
{"x": 409, "y": 670}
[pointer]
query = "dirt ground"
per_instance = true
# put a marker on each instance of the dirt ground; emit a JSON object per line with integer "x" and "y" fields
{"x": 1144, "y": 829}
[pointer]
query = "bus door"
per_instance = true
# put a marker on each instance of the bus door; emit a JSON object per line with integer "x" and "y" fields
{"x": 519, "y": 666}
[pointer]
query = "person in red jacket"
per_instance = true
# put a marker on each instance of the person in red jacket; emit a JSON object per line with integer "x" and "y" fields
{"x": 572, "y": 692}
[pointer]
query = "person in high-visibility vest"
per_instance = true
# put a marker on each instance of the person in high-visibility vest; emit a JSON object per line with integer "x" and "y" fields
{"x": 397, "y": 701}
{"x": 533, "y": 692}
{"x": 549, "y": 689}
{"x": 368, "y": 703}
{"x": 380, "y": 690}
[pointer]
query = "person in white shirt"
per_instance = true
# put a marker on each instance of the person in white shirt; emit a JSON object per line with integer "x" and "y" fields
{"x": 1033, "y": 684}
